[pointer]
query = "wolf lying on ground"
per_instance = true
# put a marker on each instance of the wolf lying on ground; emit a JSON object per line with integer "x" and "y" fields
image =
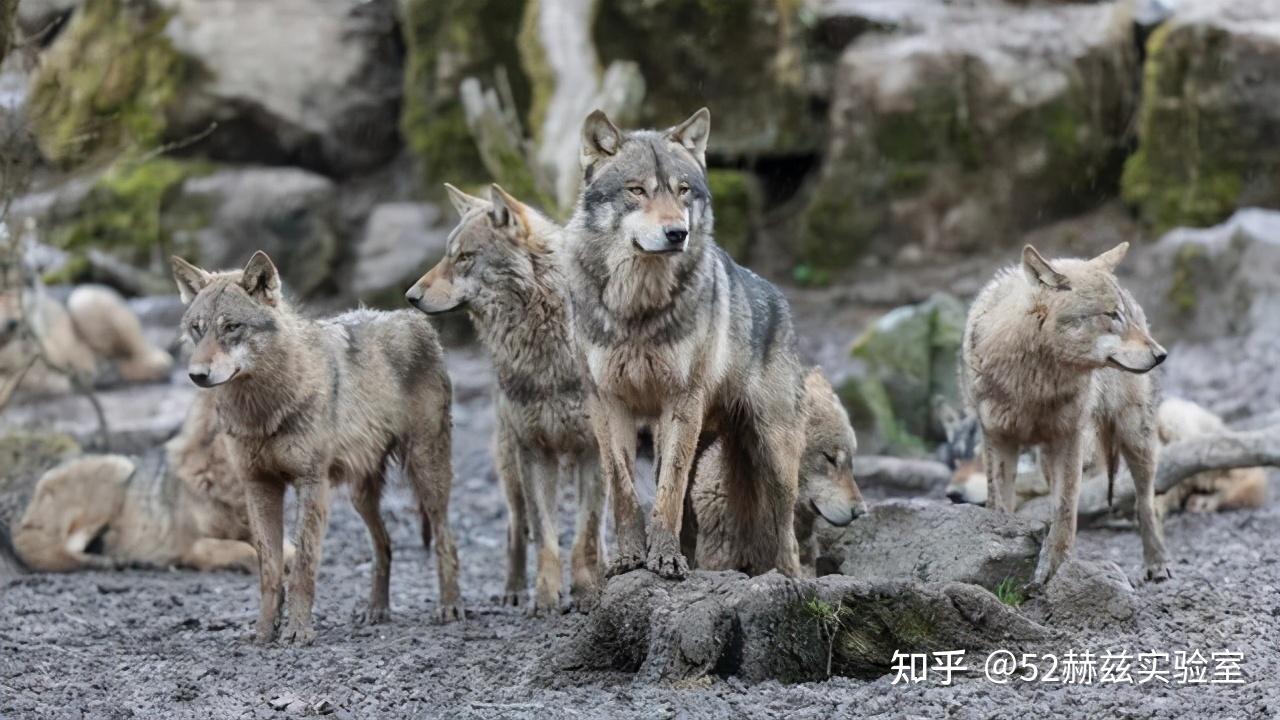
{"x": 1176, "y": 420}
{"x": 671, "y": 331}
{"x": 311, "y": 404}
{"x": 1050, "y": 353}
{"x": 178, "y": 505}
{"x": 96, "y": 334}
{"x": 501, "y": 265}
{"x": 827, "y": 490}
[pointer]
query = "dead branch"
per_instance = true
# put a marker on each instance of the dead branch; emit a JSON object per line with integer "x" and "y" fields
{"x": 900, "y": 475}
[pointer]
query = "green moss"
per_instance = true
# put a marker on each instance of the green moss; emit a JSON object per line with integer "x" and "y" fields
{"x": 446, "y": 41}
{"x": 122, "y": 214}
{"x": 1182, "y": 289}
{"x": 107, "y": 83}
{"x": 8, "y": 11}
{"x": 533, "y": 57}
{"x": 736, "y": 197}
{"x": 871, "y": 411}
{"x": 24, "y": 456}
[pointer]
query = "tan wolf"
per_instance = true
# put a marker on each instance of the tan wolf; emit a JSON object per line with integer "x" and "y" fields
{"x": 93, "y": 337}
{"x": 178, "y": 505}
{"x": 1051, "y": 352}
{"x": 501, "y": 265}
{"x": 672, "y": 332}
{"x": 827, "y": 489}
{"x": 316, "y": 403}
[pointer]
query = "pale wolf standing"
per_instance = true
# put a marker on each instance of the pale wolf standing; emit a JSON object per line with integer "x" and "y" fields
{"x": 673, "y": 332}
{"x": 312, "y": 404}
{"x": 1051, "y": 352}
{"x": 827, "y": 489}
{"x": 501, "y": 265}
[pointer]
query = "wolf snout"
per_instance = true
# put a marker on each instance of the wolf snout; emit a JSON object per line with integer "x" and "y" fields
{"x": 675, "y": 234}
{"x": 200, "y": 377}
{"x": 414, "y": 296}
{"x": 1160, "y": 355}
{"x": 955, "y": 496}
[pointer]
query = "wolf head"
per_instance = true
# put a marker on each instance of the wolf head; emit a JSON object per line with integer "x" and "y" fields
{"x": 232, "y": 318}
{"x": 826, "y": 470}
{"x": 647, "y": 188}
{"x": 1095, "y": 322}
{"x": 495, "y": 241}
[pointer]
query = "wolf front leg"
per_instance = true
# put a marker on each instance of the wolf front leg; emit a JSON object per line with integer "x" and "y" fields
{"x": 1001, "y": 459}
{"x": 543, "y": 482}
{"x": 587, "y": 558}
{"x": 1140, "y": 456}
{"x": 429, "y": 467}
{"x": 313, "y": 519}
{"x": 509, "y": 473}
{"x": 265, "y": 500}
{"x": 615, "y": 431}
{"x": 1062, "y": 459}
{"x": 676, "y": 437}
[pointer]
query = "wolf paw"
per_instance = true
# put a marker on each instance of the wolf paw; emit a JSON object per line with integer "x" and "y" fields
{"x": 450, "y": 612}
{"x": 672, "y": 566}
{"x": 296, "y": 633}
{"x": 584, "y": 602}
{"x": 623, "y": 564}
{"x": 514, "y": 598}
{"x": 1158, "y": 572}
{"x": 370, "y": 615}
{"x": 1032, "y": 589}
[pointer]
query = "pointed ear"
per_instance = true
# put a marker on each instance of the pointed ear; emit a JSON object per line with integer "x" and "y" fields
{"x": 191, "y": 279}
{"x": 1039, "y": 271}
{"x": 461, "y": 201}
{"x": 505, "y": 210}
{"x": 261, "y": 279}
{"x": 600, "y": 139}
{"x": 693, "y": 134}
{"x": 1111, "y": 258}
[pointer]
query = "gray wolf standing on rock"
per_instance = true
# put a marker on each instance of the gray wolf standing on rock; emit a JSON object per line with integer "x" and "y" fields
{"x": 827, "y": 490}
{"x": 501, "y": 265}
{"x": 311, "y": 404}
{"x": 674, "y": 333}
{"x": 1050, "y": 353}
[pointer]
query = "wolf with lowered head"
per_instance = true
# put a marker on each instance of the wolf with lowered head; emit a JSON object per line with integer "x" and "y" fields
{"x": 1054, "y": 350}
{"x": 501, "y": 265}
{"x": 314, "y": 404}
{"x": 673, "y": 333}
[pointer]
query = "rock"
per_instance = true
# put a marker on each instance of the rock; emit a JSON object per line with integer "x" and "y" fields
{"x": 739, "y": 205}
{"x": 744, "y": 60}
{"x": 931, "y": 542}
{"x": 1210, "y": 115}
{"x": 971, "y": 130}
{"x": 8, "y": 13}
{"x": 447, "y": 41}
{"x": 401, "y": 241}
{"x": 1089, "y": 594}
{"x": 134, "y": 74}
{"x": 225, "y": 216}
{"x": 139, "y": 417}
{"x": 772, "y": 627}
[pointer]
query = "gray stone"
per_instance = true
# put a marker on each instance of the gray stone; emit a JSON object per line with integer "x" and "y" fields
{"x": 931, "y": 542}
{"x": 773, "y": 627}
{"x": 1089, "y": 594}
{"x": 401, "y": 241}
{"x": 286, "y": 212}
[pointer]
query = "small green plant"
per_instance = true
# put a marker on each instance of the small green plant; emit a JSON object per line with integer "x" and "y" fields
{"x": 1009, "y": 591}
{"x": 830, "y": 620}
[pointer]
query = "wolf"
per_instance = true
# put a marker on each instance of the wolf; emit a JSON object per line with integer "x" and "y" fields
{"x": 1176, "y": 420}
{"x": 501, "y": 264}
{"x": 93, "y": 338}
{"x": 317, "y": 403}
{"x": 178, "y": 505}
{"x": 672, "y": 332}
{"x": 1051, "y": 352}
{"x": 828, "y": 489}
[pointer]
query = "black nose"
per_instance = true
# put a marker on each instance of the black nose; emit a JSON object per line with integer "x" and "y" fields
{"x": 1160, "y": 357}
{"x": 675, "y": 235}
{"x": 955, "y": 496}
{"x": 199, "y": 378}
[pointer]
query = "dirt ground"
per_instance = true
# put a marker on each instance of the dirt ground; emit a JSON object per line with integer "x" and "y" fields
{"x": 173, "y": 644}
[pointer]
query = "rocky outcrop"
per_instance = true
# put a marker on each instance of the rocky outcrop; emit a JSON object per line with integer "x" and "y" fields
{"x": 401, "y": 241}
{"x": 1210, "y": 115}
{"x": 774, "y": 628}
{"x": 932, "y": 542}
{"x": 972, "y": 129}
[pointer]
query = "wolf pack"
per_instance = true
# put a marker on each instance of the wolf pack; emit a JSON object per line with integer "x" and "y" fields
{"x": 628, "y": 326}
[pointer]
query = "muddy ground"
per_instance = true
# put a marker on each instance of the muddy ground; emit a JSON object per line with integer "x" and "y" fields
{"x": 173, "y": 644}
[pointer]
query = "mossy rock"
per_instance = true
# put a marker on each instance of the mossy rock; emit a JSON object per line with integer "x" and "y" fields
{"x": 8, "y": 11}
{"x": 1208, "y": 123}
{"x": 107, "y": 83}
{"x": 744, "y": 60}
{"x": 877, "y": 425}
{"x": 446, "y": 41}
{"x": 737, "y": 199}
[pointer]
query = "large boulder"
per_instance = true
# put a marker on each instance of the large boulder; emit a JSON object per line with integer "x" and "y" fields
{"x": 401, "y": 241}
{"x": 968, "y": 131}
{"x": 932, "y": 542}
{"x": 1088, "y": 595}
{"x": 1210, "y": 114}
{"x": 775, "y": 628}
{"x": 909, "y": 360}
{"x": 221, "y": 78}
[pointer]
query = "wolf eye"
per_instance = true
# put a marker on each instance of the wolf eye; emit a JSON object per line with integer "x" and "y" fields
{"x": 1116, "y": 315}
{"x": 231, "y": 327}
{"x": 684, "y": 189}
{"x": 636, "y": 190}
{"x": 830, "y": 458}
{"x": 196, "y": 331}
{"x": 464, "y": 257}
